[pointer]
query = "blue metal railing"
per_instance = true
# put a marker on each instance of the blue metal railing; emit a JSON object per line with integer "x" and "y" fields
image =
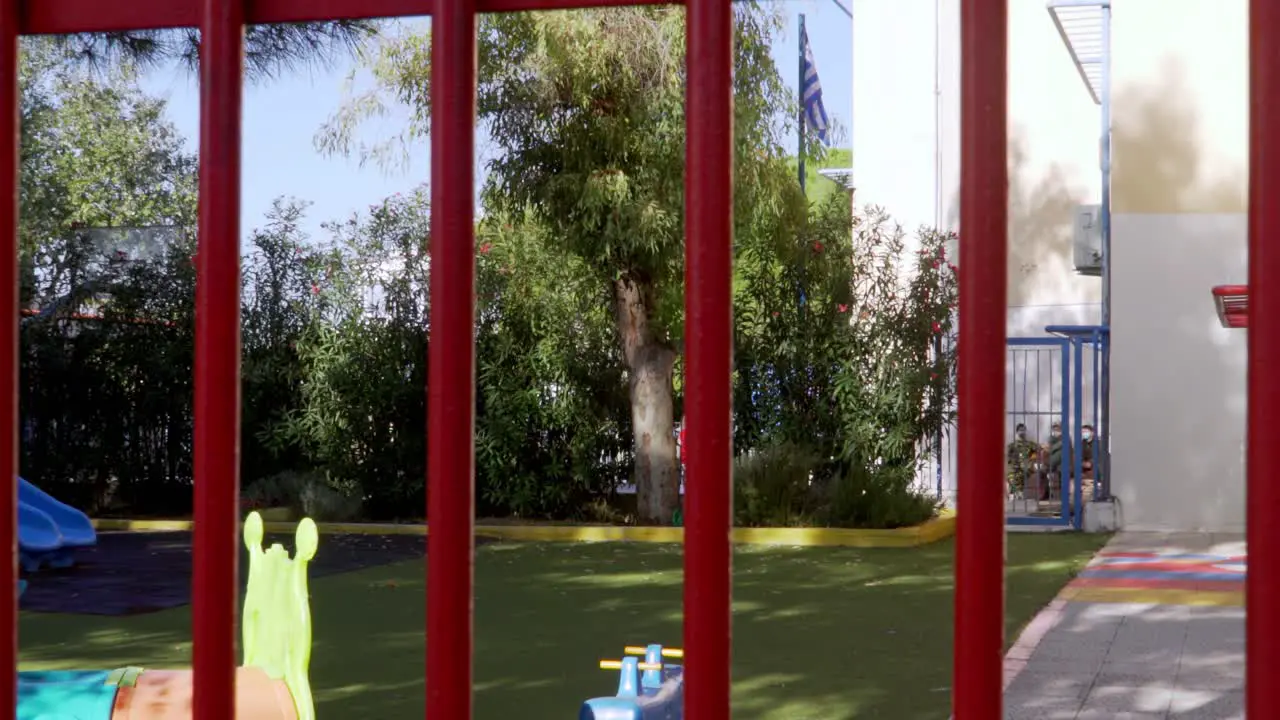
{"x": 1093, "y": 340}
{"x": 1038, "y": 396}
{"x": 1052, "y": 378}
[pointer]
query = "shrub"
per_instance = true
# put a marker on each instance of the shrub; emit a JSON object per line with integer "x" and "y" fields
{"x": 860, "y": 498}
{"x": 839, "y": 350}
{"x": 773, "y": 486}
{"x": 305, "y": 494}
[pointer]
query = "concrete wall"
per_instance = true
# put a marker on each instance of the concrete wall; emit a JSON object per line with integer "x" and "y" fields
{"x": 1179, "y": 201}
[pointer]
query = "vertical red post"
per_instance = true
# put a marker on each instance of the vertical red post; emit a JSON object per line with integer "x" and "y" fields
{"x": 215, "y": 585}
{"x": 708, "y": 572}
{"x": 984, "y": 186}
{"x": 451, "y": 367}
{"x": 1262, "y": 593}
{"x": 9, "y": 351}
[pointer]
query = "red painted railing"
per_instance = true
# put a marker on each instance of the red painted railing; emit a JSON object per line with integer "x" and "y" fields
{"x": 1262, "y": 588}
{"x": 978, "y": 668}
{"x": 215, "y": 583}
{"x": 980, "y": 544}
{"x": 9, "y": 351}
{"x": 451, "y": 380}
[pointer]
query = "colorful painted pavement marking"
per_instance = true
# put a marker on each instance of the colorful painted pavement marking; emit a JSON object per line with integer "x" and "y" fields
{"x": 1160, "y": 578}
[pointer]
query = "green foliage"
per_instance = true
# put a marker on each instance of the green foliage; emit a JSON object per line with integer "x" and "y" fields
{"x": 268, "y": 49}
{"x": 862, "y": 497}
{"x": 106, "y": 402}
{"x": 895, "y": 391}
{"x": 553, "y": 425}
{"x": 773, "y": 487}
{"x": 841, "y": 385}
{"x": 361, "y": 356}
{"x": 839, "y": 351}
{"x": 586, "y": 110}
{"x": 304, "y": 494}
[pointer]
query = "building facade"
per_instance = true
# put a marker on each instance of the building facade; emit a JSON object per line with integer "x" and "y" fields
{"x": 1179, "y": 138}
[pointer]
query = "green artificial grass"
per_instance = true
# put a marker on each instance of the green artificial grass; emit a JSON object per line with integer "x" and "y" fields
{"x": 831, "y": 633}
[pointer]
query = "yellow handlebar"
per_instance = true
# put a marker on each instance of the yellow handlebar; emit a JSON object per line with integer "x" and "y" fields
{"x": 675, "y": 653}
{"x": 617, "y": 665}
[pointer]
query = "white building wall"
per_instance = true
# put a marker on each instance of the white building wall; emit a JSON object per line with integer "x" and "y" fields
{"x": 1179, "y": 202}
{"x": 906, "y": 158}
{"x": 906, "y": 142}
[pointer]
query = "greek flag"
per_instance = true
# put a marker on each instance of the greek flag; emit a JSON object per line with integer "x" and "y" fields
{"x": 811, "y": 93}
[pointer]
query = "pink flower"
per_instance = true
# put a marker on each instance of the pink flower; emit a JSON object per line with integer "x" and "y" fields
{"x": 937, "y": 264}
{"x": 818, "y": 247}
{"x": 842, "y": 308}
{"x": 315, "y": 289}
{"x": 485, "y": 248}
{"x": 776, "y": 313}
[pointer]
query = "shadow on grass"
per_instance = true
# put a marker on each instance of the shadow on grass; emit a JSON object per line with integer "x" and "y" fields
{"x": 832, "y": 633}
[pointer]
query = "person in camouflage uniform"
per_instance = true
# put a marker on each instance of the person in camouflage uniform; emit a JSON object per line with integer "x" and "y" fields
{"x": 1020, "y": 460}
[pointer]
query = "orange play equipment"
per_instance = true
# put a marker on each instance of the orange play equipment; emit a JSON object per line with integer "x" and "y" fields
{"x": 167, "y": 695}
{"x": 271, "y": 685}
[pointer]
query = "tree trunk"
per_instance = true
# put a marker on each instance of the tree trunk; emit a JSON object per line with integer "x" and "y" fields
{"x": 650, "y": 364}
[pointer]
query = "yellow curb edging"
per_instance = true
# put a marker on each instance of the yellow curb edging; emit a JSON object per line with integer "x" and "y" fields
{"x": 1154, "y": 596}
{"x": 928, "y": 532}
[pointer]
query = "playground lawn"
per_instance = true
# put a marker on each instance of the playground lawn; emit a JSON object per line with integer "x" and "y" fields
{"x": 830, "y": 633}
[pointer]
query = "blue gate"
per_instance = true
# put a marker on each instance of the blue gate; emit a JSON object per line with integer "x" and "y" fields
{"x": 1054, "y": 381}
{"x": 1038, "y": 474}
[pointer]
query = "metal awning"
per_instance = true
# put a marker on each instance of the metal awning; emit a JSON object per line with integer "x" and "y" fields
{"x": 1082, "y": 25}
{"x": 840, "y": 176}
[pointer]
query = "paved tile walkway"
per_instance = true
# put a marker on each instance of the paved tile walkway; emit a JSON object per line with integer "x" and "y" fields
{"x": 1153, "y": 629}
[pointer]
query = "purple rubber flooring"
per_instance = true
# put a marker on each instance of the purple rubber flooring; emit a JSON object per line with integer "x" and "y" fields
{"x": 131, "y": 573}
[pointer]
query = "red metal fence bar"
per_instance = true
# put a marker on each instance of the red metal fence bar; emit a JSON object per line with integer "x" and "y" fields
{"x": 984, "y": 186}
{"x": 215, "y": 585}
{"x": 1262, "y": 594}
{"x": 9, "y": 155}
{"x": 708, "y": 575}
{"x": 451, "y": 366}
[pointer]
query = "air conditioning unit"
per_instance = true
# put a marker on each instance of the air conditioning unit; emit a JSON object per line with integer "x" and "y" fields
{"x": 1087, "y": 239}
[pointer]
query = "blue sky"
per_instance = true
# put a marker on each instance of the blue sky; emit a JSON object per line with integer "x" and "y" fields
{"x": 281, "y": 118}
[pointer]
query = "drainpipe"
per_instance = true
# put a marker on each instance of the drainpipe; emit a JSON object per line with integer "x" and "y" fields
{"x": 1104, "y": 432}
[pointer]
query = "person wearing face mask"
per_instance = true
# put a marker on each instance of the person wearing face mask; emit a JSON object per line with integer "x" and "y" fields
{"x": 1086, "y": 454}
{"x": 1058, "y": 445}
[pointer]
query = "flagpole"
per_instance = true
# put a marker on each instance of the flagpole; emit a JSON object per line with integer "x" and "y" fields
{"x": 800, "y": 95}
{"x": 800, "y": 155}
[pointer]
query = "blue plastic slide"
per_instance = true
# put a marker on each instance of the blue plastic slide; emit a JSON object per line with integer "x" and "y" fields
{"x": 49, "y": 531}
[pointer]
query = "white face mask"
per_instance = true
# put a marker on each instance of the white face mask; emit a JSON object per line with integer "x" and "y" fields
{"x": 1088, "y": 436}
